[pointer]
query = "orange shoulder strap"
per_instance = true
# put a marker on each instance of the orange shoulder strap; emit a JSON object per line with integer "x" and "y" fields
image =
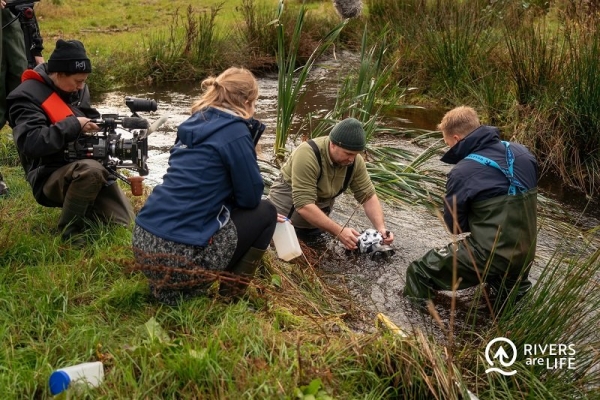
{"x": 55, "y": 108}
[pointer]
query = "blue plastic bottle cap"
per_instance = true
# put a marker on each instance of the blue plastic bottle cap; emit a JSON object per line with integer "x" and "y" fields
{"x": 59, "y": 382}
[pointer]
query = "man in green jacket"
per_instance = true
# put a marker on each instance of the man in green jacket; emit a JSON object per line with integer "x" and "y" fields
{"x": 317, "y": 172}
{"x": 491, "y": 192}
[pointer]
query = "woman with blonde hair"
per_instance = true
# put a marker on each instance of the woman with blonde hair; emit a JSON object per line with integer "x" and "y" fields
{"x": 207, "y": 220}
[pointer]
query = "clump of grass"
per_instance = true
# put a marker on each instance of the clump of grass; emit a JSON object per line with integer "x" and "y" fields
{"x": 190, "y": 49}
{"x": 258, "y": 34}
{"x": 457, "y": 34}
{"x": 536, "y": 55}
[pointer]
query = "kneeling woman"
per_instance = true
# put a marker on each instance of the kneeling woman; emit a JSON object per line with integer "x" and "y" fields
{"x": 207, "y": 217}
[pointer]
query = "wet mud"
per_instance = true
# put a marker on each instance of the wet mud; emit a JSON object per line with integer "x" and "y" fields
{"x": 375, "y": 285}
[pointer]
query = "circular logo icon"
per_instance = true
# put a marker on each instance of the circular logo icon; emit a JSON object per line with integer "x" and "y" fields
{"x": 500, "y": 354}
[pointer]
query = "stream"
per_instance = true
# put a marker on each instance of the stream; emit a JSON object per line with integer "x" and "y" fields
{"x": 564, "y": 220}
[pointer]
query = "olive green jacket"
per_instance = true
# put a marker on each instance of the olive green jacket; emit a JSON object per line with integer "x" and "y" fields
{"x": 297, "y": 184}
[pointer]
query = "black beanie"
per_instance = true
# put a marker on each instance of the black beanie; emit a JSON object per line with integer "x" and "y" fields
{"x": 69, "y": 56}
{"x": 349, "y": 134}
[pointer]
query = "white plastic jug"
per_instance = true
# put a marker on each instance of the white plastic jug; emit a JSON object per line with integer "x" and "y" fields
{"x": 286, "y": 241}
{"x": 90, "y": 373}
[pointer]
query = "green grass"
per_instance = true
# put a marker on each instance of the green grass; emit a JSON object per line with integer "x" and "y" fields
{"x": 62, "y": 306}
{"x": 292, "y": 336}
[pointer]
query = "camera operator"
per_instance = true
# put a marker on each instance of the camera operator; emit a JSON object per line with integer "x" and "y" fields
{"x": 50, "y": 109}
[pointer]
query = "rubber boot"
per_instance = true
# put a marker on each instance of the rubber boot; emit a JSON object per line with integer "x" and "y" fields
{"x": 245, "y": 268}
{"x": 71, "y": 222}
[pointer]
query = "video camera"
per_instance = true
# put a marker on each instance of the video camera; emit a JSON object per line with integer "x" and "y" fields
{"x": 110, "y": 149}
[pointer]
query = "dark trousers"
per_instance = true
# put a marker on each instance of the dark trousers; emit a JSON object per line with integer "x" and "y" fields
{"x": 13, "y": 59}
{"x": 254, "y": 227}
{"x": 88, "y": 182}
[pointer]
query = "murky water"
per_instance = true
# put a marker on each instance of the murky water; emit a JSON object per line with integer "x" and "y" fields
{"x": 374, "y": 284}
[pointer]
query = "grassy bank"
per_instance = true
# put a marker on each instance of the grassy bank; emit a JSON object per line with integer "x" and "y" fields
{"x": 292, "y": 336}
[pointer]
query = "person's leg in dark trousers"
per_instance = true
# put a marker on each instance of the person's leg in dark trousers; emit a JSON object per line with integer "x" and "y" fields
{"x": 111, "y": 205}
{"x": 255, "y": 230}
{"x": 76, "y": 186}
{"x": 13, "y": 62}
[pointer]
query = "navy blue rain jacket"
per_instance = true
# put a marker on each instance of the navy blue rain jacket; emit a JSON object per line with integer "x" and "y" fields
{"x": 212, "y": 169}
{"x": 470, "y": 181}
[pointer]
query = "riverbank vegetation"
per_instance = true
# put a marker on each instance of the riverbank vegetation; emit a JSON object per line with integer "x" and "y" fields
{"x": 294, "y": 335}
{"x": 528, "y": 67}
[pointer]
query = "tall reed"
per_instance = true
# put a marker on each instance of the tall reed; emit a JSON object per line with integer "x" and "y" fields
{"x": 292, "y": 79}
{"x": 458, "y": 37}
{"x": 580, "y": 108}
{"x": 365, "y": 92}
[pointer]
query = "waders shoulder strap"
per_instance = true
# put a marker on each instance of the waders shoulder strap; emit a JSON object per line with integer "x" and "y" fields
{"x": 515, "y": 185}
{"x": 349, "y": 171}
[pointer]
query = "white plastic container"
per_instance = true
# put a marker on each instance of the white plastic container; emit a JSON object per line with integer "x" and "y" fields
{"x": 90, "y": 374}
{"x": 286, "y": 241}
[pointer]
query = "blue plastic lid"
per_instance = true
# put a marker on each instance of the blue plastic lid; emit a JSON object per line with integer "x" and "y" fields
{"x": 59, "y": 382}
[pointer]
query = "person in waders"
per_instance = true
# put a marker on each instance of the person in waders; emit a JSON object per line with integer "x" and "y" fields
{"x": 491, "y": 192}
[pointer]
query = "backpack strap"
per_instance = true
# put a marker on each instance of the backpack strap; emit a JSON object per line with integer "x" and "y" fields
{"x": 315, "y": 148}
{"x": 347, "y": 178}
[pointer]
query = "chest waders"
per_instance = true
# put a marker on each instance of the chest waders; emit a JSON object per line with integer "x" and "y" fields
{"x": 435, "y": 270}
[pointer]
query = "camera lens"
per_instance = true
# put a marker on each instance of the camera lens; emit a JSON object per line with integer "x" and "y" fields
{"x": 140, "y": 104}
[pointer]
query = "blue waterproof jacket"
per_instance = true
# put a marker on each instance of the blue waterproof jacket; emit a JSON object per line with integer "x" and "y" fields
{"x": 212, "y": 169}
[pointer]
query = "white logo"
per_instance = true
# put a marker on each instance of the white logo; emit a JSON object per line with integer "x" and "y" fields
{"x": 80, "y": 65}
{"x": 501, "y": 355}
